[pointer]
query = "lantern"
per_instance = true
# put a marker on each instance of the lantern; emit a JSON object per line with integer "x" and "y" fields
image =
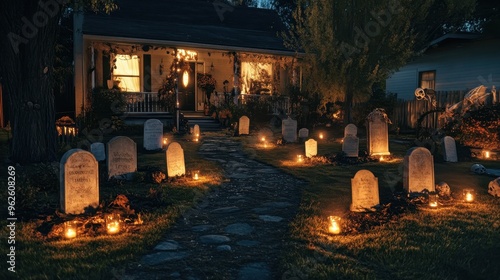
{"x": 113, "y": 223}
{"x": 381, "y": 158}
{"x": 468, "y": 195}
{"x": 263, "y": 139}
{"x": 486, "y": 154}
{"x": 196, "y": 175}
{"x": 70, "y": 229}
{"x": 321, "y": 136}
{"x": 300, "y": 158}
{"x": 433, "y": 200}
{"x": 334, "y": 224}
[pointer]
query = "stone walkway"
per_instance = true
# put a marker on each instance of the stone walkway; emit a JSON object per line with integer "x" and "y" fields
{"x": 236, "y": 232}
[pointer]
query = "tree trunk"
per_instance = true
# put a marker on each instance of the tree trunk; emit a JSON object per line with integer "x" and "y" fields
{"x": 27, "y": 52}
{"x": 348, "y": 105}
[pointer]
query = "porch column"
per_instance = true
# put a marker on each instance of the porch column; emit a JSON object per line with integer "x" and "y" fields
{"x": 236, "y": 76}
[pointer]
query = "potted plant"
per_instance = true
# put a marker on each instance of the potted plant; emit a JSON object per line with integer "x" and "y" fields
{"x": 207, "y": 83}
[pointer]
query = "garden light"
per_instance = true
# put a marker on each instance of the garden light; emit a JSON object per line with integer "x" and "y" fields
{"x": 70, "y": 229}
{"x": 334, "y": 224}
{"x": 112, "y": 223}
{"x": 468, "y": 195}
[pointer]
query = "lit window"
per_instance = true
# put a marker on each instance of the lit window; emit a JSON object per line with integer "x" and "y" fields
{"x": 127, "y": 72}
{"x": 256, "y": 78}
{"x": 427, "y": 79}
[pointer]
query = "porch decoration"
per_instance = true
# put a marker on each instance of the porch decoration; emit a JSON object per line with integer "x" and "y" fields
{"x": 207, "y": 83}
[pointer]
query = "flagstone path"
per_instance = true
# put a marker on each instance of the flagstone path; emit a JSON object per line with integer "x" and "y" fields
{"x": 239, "y": 229}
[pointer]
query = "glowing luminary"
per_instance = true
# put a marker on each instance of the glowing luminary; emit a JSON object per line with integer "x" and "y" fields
{"x": 195, "y": 139}
{"x": 381, "y": 158}
{"x": 321, "y": 136}
{"x": 334, "y": 225}
{"x": 263, "y": 139}
{"x": 486, "y": 154}
{"x": 70, "y": 229}
{"x": 300, "y": 158}
{"x": 113, "y": 223}
{"x": 433, "y": 200}
{"x": 196, "y": 175}
{"x": 468, "y": 195}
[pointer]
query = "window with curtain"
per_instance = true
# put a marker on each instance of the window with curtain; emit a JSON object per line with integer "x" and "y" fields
{"x": 128, "y": 72}
{"x": 427, "y": 79}
{"x": 256, "y": 77}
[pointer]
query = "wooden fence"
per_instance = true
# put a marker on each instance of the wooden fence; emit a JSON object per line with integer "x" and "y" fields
{"x": 407, "y": 112}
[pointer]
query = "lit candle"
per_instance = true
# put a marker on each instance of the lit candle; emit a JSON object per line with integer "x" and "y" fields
{"x": 299, "y": 158}
{"x": 321, "y": 136}
{"x": 196, "y": 175}
{"x": 70, "y": 229}
{"x": 433, "y": 200}
{"x": 334, "y": 224}
{"x": 164, "y": 141}
{"x": 468, "y": 195}
{"x": 263, "y": 139}
{"x": 196, "y": 139}
{"x": 265, "y": 145}
{"x": 113, "y": 223}
{"x": 487, "y": 154}
{"x": 381, "y": 158}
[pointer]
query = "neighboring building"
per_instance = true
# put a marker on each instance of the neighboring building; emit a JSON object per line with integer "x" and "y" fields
{"x": 135, "y": 45}
{"x": 450, "y": 63}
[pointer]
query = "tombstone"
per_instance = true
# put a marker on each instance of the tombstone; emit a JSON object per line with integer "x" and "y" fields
{"x": 289, "y": 130}
{"x": 350, "y": 129}
{"x": 418, "y": 173}
{"x": 97, "y": 149}
{"x": 450, "y": 149}
{"x": 122, "y": 157}
{"x": 311, "y": 147}
{"x": 196, "y": 130}
{"x": 303, "y": 133}
{"x": 153, "y": 135}
{"x": 350, "y": 145}
{"x": 365, "y": 194}
{"x": 79, "y": 181}
{"x": 377, "y": 135}
{"x": 244, "y": 126}
{"x": 175, "y": 160}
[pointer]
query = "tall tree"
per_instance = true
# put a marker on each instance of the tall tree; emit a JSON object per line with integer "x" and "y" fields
{"x": 352, "y": 44}
{"x": 29, "y": 30}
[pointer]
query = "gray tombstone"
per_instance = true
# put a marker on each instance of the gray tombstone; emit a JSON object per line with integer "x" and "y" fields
{"x": 350, "y": 145}
{"x": 365, "y": 195}
{"x": 79, "y": 181}
{"x": 153, "y": 135}
{"x": 122, "y": 157}
{"x": 244, "y": 126}
{"x": 311, "y": 147}
{"x": 289, "y": 130}
{"x": 303, "y": 133}
{"x": 196, "y": 130}
{"x": 97, "y": 149}
{"x": 418, "y": 173}
{"x": 175, "y": 160}
{"x": 449, "y": 149}
{"x": 350, "y": 129}
{"x": 377, "y": 133}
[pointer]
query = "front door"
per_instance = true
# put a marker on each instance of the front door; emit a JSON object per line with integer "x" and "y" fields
{"x": 187, "y": 93}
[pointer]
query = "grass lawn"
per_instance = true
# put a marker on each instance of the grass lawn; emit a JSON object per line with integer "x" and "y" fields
{"x": 42, "y": 253}
{"x": 456, "y": 241}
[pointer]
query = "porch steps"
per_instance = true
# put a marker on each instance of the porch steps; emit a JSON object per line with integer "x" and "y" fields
{"x": 206, "y": 123}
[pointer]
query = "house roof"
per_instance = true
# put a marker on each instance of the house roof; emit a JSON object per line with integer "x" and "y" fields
{"x": 195, "y": 22}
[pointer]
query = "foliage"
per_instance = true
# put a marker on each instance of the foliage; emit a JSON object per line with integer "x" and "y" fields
{"x": 352, "y": 44}
{"x": 166, "y": 93}
{"x": 206, "y": 82}
{"x": 478, "y": 128}
{"x": 378, "y": 99}
{"x": 103, "y": 113}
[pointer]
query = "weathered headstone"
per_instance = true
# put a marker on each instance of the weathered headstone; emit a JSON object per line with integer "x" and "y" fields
{"x": 97, "y": 149}
{"x": 418, "y": 173}
{"x": 122, "y": 157}
{"x": 175, "y": 160}
{"x": 350, "y": 145}
{"x": 449, "y": 149}
{"x": 311, "y": 147}
{"x": 289, "y": 130}
{"x": 79, "y": 181}
{"x": 351, "y": 129}
{"x": 303, "y": 133}
{"x": 244, "y": 126}
{"x": 153, "y": 135}
{"x": 365, "y": 195}
{"x": 377, "y": 133}
{"x": 196, "y": 130}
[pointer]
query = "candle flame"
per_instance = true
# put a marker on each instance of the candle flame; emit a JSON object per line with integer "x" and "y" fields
{"x": 321, "y": 136}
{"x": 70, "y": 233}
{"x": 196, "y": 176}
{"x": 469, "y": 197}
{"x": 487, "y": 154}
{"x": 334, "y": 226}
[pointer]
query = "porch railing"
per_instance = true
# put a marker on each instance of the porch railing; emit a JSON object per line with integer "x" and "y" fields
{"x": 142, "y": 102}
{"x": 277, "y": 104}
